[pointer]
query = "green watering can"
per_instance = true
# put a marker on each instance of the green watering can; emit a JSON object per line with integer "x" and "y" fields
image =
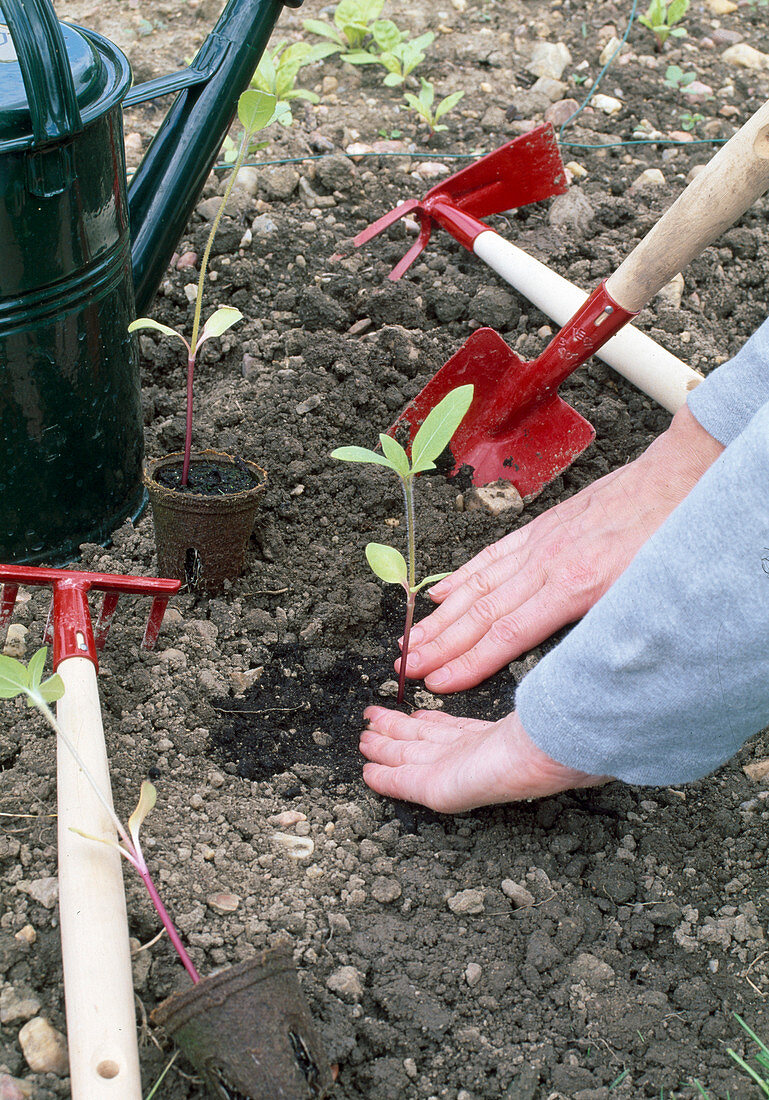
{"x": 80, "y": 253}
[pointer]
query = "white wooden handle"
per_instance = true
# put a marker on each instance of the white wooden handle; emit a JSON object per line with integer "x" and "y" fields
{"x": 736, "y": 176}
{"x": 98, "y": 985}
{"x": 655, "y": 371}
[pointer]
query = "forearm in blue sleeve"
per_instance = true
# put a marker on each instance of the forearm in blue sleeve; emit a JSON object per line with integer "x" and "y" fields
{"x": 729, "y": 397}
{"x": 668, "y": 674}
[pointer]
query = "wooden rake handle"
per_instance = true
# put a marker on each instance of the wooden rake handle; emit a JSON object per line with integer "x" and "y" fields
{"x": 718, "y": 195}
{"x": 98, "y": 985}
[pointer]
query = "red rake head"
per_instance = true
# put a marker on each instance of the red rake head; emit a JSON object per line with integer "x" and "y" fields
{"x": 525, "y": 170}
{"x": 69, "y": 622}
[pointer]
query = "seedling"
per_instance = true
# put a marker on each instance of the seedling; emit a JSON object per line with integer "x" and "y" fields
{"x": 690, "y": 121}
{"x": 422, "y": 104}
{"x": 278, "y": 70}
{"x": 403, "y": 57}
{"x": 353, "y": 21}
{"x": 429, "y": 442}
{"x": 661, "y": 18}
{"x": 16, "y": 680}
{"x": 256, "y": 109}
{"x": 675, "y": 77}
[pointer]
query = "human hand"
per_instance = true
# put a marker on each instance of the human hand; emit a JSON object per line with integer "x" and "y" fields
{"x": 456, "y": 764}
{"x": 523, "y": 588}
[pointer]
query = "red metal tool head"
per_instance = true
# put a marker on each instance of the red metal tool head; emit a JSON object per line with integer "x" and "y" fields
{"x": 69, "y": 622}
{"x": 527, "y": 169}
{"x": 518, "y": 429}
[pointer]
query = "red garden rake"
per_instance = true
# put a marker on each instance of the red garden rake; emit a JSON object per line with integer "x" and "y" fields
{"x": 98, "y": 985}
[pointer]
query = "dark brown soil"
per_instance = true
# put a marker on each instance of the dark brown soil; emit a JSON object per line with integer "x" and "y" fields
{"x": 645, "y": 930}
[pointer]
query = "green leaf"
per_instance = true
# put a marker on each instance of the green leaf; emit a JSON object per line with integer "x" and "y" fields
{"x": 440, "y": 424}
{"x": 426, "y": 92}
{"x": 432, "y": 579}
{"x": 13, "y": 678}
{"x": 386, "y": 34}
{"x": 422, "y": 41}
{"x": 255, "y": 109}
{"x": 393, "y": 80}
{"x": 35, "y": 667}
{"x": 219, "y": 321}
{"x": 361, "y": 454}
{"x": 317, "y": 26}
{"x": 148, "y": 796}
{"x": 388, "y": 563}
{"x": 395, "y": 455}
{"x": 147, "y": 322}
{"x": 446, "y": 104}
{"x": 109, "y": 841}
{"x": 52, "y": 688}
{"x": 676, "y": 11}
{"x": 360, "y": 57}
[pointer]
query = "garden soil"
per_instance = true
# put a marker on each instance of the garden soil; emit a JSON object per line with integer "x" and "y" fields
{"x": 587, "y": 946}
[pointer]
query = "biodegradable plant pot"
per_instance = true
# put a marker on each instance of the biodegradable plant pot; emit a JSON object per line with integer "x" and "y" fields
{"x": 248, "y": 1032}
{"x": 206, "y": 534}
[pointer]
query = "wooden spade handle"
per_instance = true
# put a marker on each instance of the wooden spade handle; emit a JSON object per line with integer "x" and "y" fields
{"x": 736, "y": 176}
{"x": 98, "y": 987}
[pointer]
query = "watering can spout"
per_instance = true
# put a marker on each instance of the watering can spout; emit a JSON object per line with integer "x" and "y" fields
{"x": 171, "y": 177}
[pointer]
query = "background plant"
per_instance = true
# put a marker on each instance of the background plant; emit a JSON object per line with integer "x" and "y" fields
{"x": 429, "y": 443}
{"x": 256, "y": 109}
{"x": 353, "y": 22}
{"x": 675, "y": 77}
{"x": 690, "y": 121}
{"x": 277, "y": 73}
{"x": 422, "y": 105}
{"x": 662, "y": 17}
{"x": 27, "y": 681}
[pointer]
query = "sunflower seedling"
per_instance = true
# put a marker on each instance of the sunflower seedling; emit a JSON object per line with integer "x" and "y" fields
{"x": 256, "y": 109}
{"x": 422, "y": 104}
{"x": 16, "y": 680}
{"x": 661, "y": 18}
{"x": 429, "y": 443}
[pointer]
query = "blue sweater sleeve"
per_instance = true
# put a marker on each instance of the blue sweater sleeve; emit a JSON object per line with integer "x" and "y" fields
{"x": 732, "y": 394}
{"x": 668, "y": 674}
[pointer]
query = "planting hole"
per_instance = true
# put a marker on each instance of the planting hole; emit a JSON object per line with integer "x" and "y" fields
{"x": 81, "y": 642}
{"x": 108, "y": 1068}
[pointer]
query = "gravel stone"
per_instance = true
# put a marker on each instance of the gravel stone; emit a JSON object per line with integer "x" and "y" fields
{"x": 467, "y": 902}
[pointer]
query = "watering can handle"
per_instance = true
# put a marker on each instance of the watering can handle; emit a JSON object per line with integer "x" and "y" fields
{"x": 44, "y": 64}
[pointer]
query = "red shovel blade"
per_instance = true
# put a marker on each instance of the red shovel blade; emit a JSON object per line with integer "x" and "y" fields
{"x": 527, "y": 444}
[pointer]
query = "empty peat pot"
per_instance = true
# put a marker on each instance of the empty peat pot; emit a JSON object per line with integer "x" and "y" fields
{"x": 202, "y": 536}
{"x": 248, "y": 1032}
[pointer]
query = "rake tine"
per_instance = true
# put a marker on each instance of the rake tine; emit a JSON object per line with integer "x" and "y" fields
{"x": 109, "y": 603}
{"x": 8, "y": 603}
{"x": 416, "y": 249}
{"x": 157, "y": 612}
{"x": 48, "y": 632}
{"x": 387, "y": 219}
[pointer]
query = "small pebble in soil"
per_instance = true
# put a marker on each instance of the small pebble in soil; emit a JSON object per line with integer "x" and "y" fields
{"x": 297, "y": 847}
{"x": 519, "y": 895}
{"x": 347, "y": 983}
{"x": 467, "y": 902}
{"x": 473, "y": 974}
{"x": 43, "y": 1047}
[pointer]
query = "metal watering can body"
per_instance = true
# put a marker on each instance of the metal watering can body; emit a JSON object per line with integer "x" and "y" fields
{"x": 79, "y": 251}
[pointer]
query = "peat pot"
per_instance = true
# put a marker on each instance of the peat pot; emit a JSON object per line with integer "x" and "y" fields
{"x": 248, "y": 1032}
{"x": 202, "y": 536}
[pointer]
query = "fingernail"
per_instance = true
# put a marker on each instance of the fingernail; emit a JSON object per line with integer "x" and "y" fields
{"x": 416, "y": 636}
{"x": 439, "y": 588}
{"x": 435, "y": 679}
